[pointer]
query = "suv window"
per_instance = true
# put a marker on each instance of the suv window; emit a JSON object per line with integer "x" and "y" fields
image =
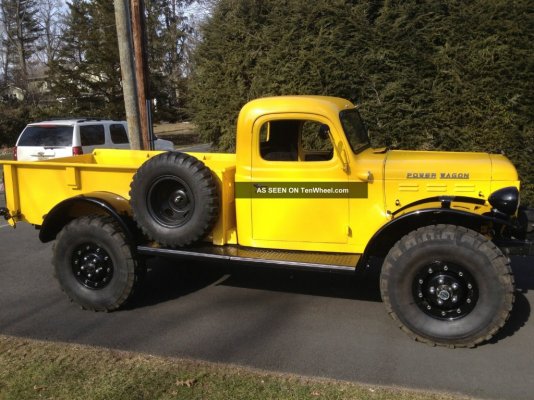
{"x": 92, "y": 135}
{"x": 118, "y": 134}
{"x": 47, "y": 135}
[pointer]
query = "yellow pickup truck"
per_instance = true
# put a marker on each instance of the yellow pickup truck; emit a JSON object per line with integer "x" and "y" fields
{"x": 303, "y": 190}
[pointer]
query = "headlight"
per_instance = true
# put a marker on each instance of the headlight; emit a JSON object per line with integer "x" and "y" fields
{"x": 505, "y": 200}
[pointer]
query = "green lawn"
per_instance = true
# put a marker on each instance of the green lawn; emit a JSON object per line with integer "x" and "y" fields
{"x": 43, "y": 370}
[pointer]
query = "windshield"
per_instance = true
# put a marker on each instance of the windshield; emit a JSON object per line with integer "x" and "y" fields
{"x": 354, "y": 129}
{"x": 46, "y": 136}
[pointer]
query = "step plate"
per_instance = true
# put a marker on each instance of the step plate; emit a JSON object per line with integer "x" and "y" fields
{"x": 342, "y": 262}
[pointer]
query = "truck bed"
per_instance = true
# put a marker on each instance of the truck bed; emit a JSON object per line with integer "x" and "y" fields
{"x": 33, "y": 188}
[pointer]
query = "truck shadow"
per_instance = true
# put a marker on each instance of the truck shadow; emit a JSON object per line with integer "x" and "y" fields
{"x": 363, "y": 285}
{"x": 523, "y": 270}
{"x": 167, "y": 280}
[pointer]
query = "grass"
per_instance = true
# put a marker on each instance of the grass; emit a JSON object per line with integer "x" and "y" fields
{"x": 180, "y": 133}
{"x": 43, "y": 370}
{"x": 178, "y": 128}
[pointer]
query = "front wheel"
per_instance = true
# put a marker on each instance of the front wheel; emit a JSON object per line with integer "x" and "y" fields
{"x": 94, "y": 264}
{"x": 447, "y": 285}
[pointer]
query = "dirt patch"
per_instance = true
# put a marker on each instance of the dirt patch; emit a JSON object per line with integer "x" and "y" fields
{"x": 180, "y": 133}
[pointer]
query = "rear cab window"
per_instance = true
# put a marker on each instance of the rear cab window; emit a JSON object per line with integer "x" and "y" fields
{"x": 46, "y": 136}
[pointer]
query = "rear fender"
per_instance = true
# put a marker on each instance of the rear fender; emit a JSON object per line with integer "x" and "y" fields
{"x": 100, "y": 203}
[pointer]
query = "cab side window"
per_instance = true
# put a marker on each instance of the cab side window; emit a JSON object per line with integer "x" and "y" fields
{"x": 92, "y": 135}
{"x": 295, "y": 140}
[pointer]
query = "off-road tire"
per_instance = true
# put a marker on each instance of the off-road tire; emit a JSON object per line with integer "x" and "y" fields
{"x": 174, "y": 199}
{"x": 94, "y": 263}
{"x": 453, "y": 265}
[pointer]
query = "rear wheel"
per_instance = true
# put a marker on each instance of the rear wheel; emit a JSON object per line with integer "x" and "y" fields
{"x": 447, "y": 285}
{"x": 94, "y": 264}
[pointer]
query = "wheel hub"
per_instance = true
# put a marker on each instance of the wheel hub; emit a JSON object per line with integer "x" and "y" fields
{"x": 170, "y": 201}
{"x": 92, "y": 266}
{"x": 445, "y": 290}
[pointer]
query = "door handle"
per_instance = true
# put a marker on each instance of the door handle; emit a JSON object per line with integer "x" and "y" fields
{"x": 364, "y": 176}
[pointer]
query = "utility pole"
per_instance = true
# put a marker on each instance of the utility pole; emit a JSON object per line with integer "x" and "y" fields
{"x": 141, "y": 71}
{"x": 129, "y": 89}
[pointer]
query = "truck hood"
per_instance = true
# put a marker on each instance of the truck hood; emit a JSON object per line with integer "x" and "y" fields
{"x": 437, "y": 166}
{"x": 412, "y": 176}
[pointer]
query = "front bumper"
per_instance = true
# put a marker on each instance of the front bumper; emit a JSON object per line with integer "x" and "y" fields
{"x": 520, "y": 240}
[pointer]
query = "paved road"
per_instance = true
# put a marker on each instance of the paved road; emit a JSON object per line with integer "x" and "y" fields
{"x": 319, "y": 325}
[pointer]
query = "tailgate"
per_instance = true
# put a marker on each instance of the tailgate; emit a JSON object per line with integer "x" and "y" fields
{"x": 39, "y": 153}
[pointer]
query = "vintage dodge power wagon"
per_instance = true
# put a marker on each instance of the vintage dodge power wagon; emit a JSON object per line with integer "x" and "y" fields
{"x": 303, "y": 190}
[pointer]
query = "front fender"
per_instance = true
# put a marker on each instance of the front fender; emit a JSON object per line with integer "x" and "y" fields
{"x": 386, "y": 237}
{"x": 102, "y": 203}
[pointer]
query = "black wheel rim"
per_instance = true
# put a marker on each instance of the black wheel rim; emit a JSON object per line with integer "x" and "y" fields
{"x": 445, "y": 290}
{"x": 170, "y": 201}
{"x": 92, "y": 266}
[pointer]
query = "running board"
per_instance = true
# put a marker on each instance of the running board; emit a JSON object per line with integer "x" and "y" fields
{"x": 333, "y": 262}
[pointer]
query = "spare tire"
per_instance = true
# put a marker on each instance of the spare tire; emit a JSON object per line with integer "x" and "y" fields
{"x": 174, "y": 199}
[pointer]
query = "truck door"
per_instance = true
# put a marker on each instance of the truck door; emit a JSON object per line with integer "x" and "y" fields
{"x": 294, "y": 165}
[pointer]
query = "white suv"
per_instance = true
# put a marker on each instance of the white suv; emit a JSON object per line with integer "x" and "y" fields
{"x": 65, "y": 138}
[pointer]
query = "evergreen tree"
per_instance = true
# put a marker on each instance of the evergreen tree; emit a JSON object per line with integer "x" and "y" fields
{"x": 448, "y": 74}
{"x": 168, "y": 30}
{"x": 86, "y": 72}
{"x": 19, "y": 39}
{"x": 254, "y": 48}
